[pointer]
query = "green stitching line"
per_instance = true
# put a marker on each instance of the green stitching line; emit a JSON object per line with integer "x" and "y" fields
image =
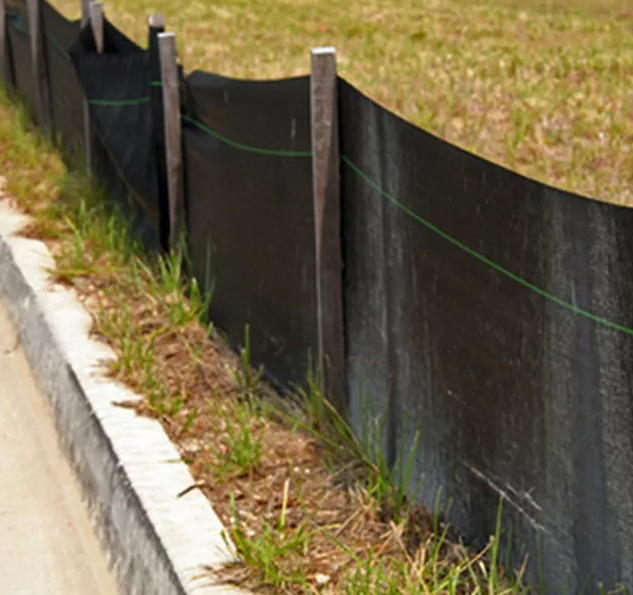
{"x": 156, "y": 84}
{"x": 58, "y": 47}
{"x": 230, "y": 143}
{"x": 25, "y": 30}
{"x": 484, "y": 259}
{"x": 18, "y": 27}
{"x": 120, "y": 102}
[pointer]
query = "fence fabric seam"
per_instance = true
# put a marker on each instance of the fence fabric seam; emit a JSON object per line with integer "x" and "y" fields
{"x": 57, "y": 46}
{"x": 247, "y": 148}
{"x": 118, "y": 102}
{"x": 481, "y": 257}
{"x": 11, "y": 22}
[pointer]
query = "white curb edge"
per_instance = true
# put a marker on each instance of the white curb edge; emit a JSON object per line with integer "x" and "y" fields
{"x": 129, "y": 471}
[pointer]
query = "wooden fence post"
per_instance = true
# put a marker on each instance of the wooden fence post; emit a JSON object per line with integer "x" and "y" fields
{"x": 327, "y": 224}
{"x": 156, "y": 21}
{"x": 156, "y": 25}
{"x": 6, "y": 68}
{"x": 88, "y": 131}
{"x": 96, "y": 22}
{"x": 91, "y": 13}
{"x": 40, "y": 75}
{"x": 4, "y": 71}
{"x": 85, "y": 12}
{"x": 173, "y": 135}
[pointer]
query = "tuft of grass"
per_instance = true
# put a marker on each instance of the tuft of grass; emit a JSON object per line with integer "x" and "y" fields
{"x": 276, "y": 554}
{"x": 248, "y": 380}
{"x": 429, "y": 570}
{"x": 240, "y": 453}
{"x": 388, "y": 484}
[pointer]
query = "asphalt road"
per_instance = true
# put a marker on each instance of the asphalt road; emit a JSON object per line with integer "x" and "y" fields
{"x": 47, "y": 546}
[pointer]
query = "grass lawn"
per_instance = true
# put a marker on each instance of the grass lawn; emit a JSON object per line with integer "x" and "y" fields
{"x": 544, "y": 87}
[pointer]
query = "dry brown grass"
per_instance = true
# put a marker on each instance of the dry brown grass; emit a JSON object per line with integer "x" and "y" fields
{"x": 544, "y": 87}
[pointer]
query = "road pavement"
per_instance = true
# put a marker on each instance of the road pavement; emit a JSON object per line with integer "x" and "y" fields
{"x": 47, "y": 546}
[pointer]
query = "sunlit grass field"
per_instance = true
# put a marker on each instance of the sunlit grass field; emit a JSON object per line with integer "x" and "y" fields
{"x": 543, "y": 87}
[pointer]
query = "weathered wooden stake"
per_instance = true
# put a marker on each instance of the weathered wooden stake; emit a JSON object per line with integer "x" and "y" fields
{"x": 85, "y": 12}
{"x": 156, "y": 25}
{"x": 88, "y": 131}
{"x": 4, "y": 71}
{"x": 327, "y": 224}
{"x": 173, "y": 135}
{"x": 96, "y": 22}
{"x": 40, "y": 76}
{"x": 156, "y": 21}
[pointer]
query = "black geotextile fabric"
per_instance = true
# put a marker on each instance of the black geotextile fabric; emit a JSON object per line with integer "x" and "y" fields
{"x": 117, "y": 85}
{"x": 6, "y": 72}
{"x": 67, "y": 97}
{"x": 19, "y": 43}
{"x": 250, "y": 214}
{"x": 463, "y": 306}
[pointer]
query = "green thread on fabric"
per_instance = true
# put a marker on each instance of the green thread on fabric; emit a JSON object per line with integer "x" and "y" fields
{"x": 241, "y": 147}
{"x": 58, "y": 47}
{"x": 483, "y": 258}
{"x": 17, "y": 27}
{"x": 119, "y": 102}
{"x": 26, "y": 32}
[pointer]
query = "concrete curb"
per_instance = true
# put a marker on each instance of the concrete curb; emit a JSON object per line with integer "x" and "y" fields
{"x": 129, "y": 471}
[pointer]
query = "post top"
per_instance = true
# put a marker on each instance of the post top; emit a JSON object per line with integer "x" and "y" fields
{"x": 319, "y": 51}
{"x": 157, "y": 20}
{"x": 96, "y": 10}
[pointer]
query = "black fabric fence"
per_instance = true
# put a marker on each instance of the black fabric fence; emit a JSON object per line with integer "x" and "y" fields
{"x": 67, "y": 96}
{"x": 493, "y": 313}
{"x": 19, "y": 52}
{"x": 116, "y": 84}
{"x": 484, "y": 310}
{"x": 250, "y": 214}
